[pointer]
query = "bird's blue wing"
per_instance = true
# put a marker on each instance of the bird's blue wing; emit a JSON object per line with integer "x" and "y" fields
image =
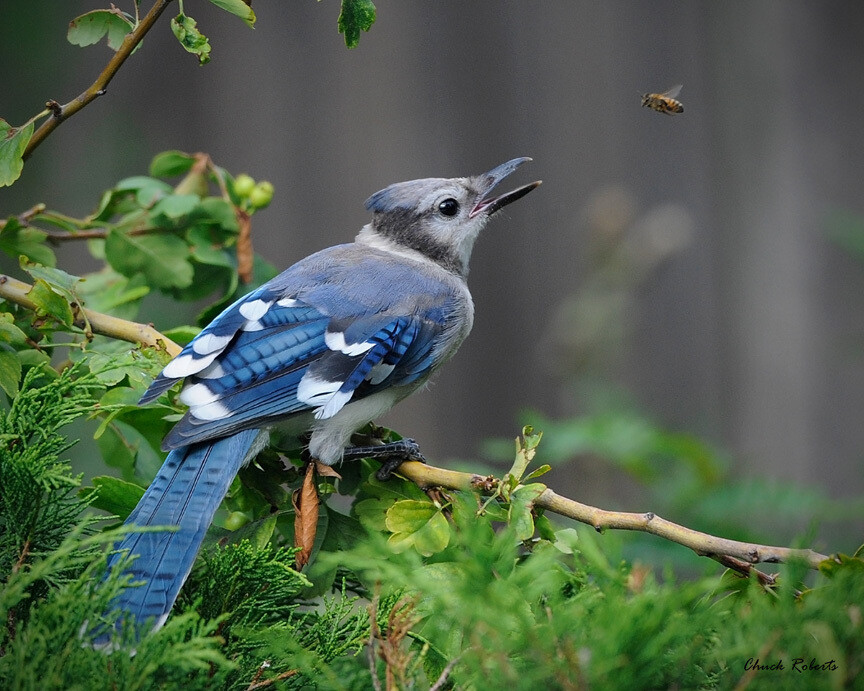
{"x": 268, "y": 357}
{"x": 261, "y": 310}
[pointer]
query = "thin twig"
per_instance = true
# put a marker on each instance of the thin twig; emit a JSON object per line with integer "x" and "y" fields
{"x": 25, "y": 552}
{"x": 56, "y": 238}
{"x": 442, "y": 678}
{"x": 703, "y": 544}
{"x": 768, "y": 580}
{"x": 269, "y": 682}
{"x": 16, "y": 291}
{"x": 25, "y": 216}
{"x": 60, "y": 113}
{"x": 374, "y": 636}
{"x": 264, "y": 665}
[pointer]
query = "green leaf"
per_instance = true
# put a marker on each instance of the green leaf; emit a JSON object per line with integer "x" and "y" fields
{"x": 192, "y": 40}
{"x": 9, "y": 333}
{"x": 542, "y": 470}
{"x": 217, "y": 210}
{"x": 122, "y": 396}
{"x": 205, "y": 250}
{"x": 256, "y": 532}
{"x": 13, "y": 141}
{"x": 566, "y": 540}
{"x": 10, "y": 371}
{"x": 392, "y": 489}
{"x": 49, "y": 302}
{"x": 112, "y": 368}
{"x": 409, "y": 515}
{"x": 171, "y": 163}
{"x": 521, "y": 504}
{"x": 36, "y": 358}
{"x": 372, "y": 512}
{"x": 175, "y": 206}
{"x": 834, "y": 565}
{"x": 544, "y": 527}
{"x": 89, "y": 28}
{"x": 343, "y": 533}
{"x": 206, "y": 279}
{"x": 124, "y": 447}
{"x": 238, "y": 7}
{"x": 182, "y": 334}
{"x": 60, "y": 281}
{"x": 163, "y": 259}
{"x": 356, "y": 15}
{"x": 147, "y": 190}
{"x": 116, "y": 496}
{"x": 419, "y": 524}
{"x": 120, "y": 411}
{"x": 112, "y": 203}
{"x": 111, "y": 292}
{"x": 17, "y": 239}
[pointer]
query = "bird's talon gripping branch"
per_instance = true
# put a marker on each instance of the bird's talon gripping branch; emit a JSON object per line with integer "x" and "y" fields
{"x": 385, "y": 472}
{"x": 391, "y": 455}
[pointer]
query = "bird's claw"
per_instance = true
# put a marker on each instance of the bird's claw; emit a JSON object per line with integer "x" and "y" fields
{"x": 404, "y": 450}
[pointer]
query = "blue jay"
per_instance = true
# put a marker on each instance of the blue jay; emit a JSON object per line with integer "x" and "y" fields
{"x": 325, "y": 347}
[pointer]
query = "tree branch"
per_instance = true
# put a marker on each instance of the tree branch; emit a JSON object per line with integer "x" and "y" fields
{"x": 60, "y": 113}
{"x": 703, "y": 544}
{"x": 17, "y": 291}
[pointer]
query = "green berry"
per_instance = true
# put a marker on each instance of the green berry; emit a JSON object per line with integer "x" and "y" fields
{"x": 262, "y": 195}
{"x": 235, "y": 520}
{"x": 243, "y": 185}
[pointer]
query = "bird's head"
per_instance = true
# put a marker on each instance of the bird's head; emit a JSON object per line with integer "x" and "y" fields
{"x": 441, "y": 217}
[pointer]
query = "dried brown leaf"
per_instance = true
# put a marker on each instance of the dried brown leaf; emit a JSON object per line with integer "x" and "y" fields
{"x": 306, "y": 505}
{"x": 326, "y": 470}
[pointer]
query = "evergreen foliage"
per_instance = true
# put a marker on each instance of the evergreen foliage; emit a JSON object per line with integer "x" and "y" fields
{"x": 559, "y": 610}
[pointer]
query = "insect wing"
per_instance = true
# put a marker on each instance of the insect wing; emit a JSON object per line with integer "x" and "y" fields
{"x": 673, "y": 92}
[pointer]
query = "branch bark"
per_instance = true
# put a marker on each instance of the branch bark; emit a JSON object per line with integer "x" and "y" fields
{"x": 60, "y": 113}
{"x": 16, "y": 291}
{"x": 703, "y": 544}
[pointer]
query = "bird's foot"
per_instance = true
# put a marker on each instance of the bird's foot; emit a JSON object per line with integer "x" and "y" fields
{"x": 392, "y": 455}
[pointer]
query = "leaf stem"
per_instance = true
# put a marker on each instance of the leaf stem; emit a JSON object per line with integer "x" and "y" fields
{"x": 98, "y": 88}
{"x": 703, "y": 544}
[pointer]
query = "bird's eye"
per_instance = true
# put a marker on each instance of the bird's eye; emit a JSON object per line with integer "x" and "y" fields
{"x": 449, "y": 207}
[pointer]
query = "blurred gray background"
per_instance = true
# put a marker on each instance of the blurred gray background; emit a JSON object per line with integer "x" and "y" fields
{"x": 688, "y": 260}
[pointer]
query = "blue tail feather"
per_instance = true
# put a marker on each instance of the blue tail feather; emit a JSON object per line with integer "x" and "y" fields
{"x": 186, "y": 493}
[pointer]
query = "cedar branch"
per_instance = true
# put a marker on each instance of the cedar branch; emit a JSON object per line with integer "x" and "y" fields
{"x": 703, "y": 544}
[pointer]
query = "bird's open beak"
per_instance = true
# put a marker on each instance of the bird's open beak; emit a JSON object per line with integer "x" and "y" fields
{"x": 488, "y": 181}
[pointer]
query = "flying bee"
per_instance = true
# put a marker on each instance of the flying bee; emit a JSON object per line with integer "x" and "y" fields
{"x": 665, "y": 102}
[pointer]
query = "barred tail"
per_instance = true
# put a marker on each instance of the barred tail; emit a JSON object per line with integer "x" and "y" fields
{"x": 186, "y": 493}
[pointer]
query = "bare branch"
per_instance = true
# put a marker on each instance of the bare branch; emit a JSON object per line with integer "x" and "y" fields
{"x": 17, "y": 291}
{"x": 61, "y": 113}
{"x": 703, "y": 544}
